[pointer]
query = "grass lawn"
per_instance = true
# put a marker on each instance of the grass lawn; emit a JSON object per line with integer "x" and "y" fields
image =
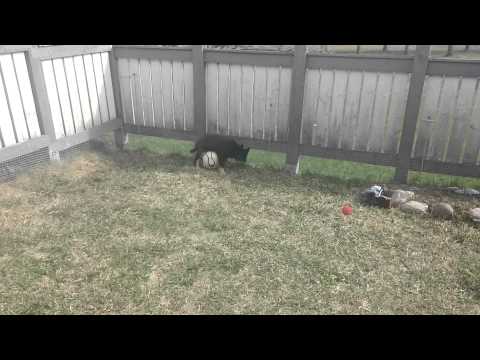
{"x": 142, "y": 232}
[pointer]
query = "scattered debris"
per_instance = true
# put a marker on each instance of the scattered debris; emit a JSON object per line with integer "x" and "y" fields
{"x": 475, "y": 214}
{"x": 452, "y": 189}
{"x": 467, "y": 192}
{"x": 441, "y": 210}
{"x": 375, "y": 196}
{"x": 414, "y": 207}
{"x": 380, "y": 196}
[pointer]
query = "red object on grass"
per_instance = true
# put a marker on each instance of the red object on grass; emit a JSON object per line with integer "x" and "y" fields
{"x": 347, "y": 209}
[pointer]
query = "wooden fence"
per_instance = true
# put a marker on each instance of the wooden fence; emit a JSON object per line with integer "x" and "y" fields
{"x": 52, "y": 99}
{"x": 407, "y": 111}
{"x": 410, "y": 112}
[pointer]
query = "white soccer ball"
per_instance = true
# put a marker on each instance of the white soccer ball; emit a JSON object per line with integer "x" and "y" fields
{"x": 210, "y": 160}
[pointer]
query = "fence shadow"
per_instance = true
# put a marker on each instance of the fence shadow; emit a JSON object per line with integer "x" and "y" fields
{"x": 239, "y": 174}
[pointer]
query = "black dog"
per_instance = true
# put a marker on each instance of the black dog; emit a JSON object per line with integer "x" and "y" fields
{"x": 224, "y": 147}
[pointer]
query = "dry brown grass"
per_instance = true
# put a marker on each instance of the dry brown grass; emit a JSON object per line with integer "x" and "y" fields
{"x": 142, "y": 232}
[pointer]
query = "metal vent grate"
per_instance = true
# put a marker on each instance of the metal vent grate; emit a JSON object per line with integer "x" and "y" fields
{"x": 74, "y": 150}
{"x": 9, "y": 169}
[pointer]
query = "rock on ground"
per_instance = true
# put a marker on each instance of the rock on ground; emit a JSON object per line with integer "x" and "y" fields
{"x": 414, "y": 207}
{"x": 401, "y": 196}
{"x": 475, "y": 214}
{"x": 442, "y": 210}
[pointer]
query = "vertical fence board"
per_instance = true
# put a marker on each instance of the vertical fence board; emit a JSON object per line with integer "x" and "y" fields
{"x": 53, "y": 98}
{"x": 14, "y": 97}
{"x": 134, "y": 66}
{"x": 167, "y": 87}
{"x": 379, "y": 115}
{"x": 223, "y": 100}
{"x": 396, "y": 113}
{"x": 92, "y": 89}
{"x": 246, "y": 115}
{"x": 446, "y": 110}
{"x": 235, "y": 99}
{"x": 178, "y": 87}
{"x": 259, "y": 102}
{"x": 188, "y": 96}
{"x": 211, "y": 75}
{"x": 109, "y": 85}
{"x": 27, "y": 94}
{"x": 146, "y": 91}
{"x": 310, "y": 103}
{"x": 461, "y": 121}
{"x": 351, "y": 110}
{"x": 273, "y": 92}
{"x": 81, "y": 78}
{"x": 157, "y": 89}
{"x": 6, "y": 127}
{"x": 100, "y": 86}
{"x": 125, "y": 90}
{"x": 322, "y": 113}
{"x": 365, "y": 111}
{"x": 284, "y": 104}
{"x": 338, "y": 104}
{"x": 74, "y": 94}
{"x": 64, "y": 96}
{"x": 472, "y": 138}
{"x": 199, "y": 90}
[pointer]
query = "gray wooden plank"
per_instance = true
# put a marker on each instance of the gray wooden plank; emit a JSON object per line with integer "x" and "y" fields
{"x": 60, "y": 51}
{"x": 361, "y": 62}
{"x": 246, "y": 101}
{"x": 255, "y": 58}
{"x": 199, "y": 90}
{"x": 235, "y": 99}
{"x": 211, "y": 97}
{"x": 172, "y": 54}
{"x": 157, "y": 89}
{"x": 40, "y": 96}
{"x": 146, "y": 91}
{"x": 259, "y": 101}
{"x": 125, "y": 90}
{"x": 188, "y": 95}
{"x": 223, "y": 98}
{"x": 295, "y": 111}
{"x": 351, "y": 110}
{"x": 411, "y": 115}
{"x": 461, "y": 121}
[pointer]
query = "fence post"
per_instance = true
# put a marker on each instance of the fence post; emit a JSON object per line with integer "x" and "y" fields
{"x": 417, "y": 81}
{"x": 295, "y": 109}
{"x": 199, "y": 90}
{"x": 40, "y": 98}
{"x": 450, "y": 50}
{"x": 120, "y": 135}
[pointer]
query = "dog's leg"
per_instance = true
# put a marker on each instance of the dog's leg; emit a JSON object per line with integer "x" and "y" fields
{"x": 221, "y": 167}
{"x": 196, "y": 160}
